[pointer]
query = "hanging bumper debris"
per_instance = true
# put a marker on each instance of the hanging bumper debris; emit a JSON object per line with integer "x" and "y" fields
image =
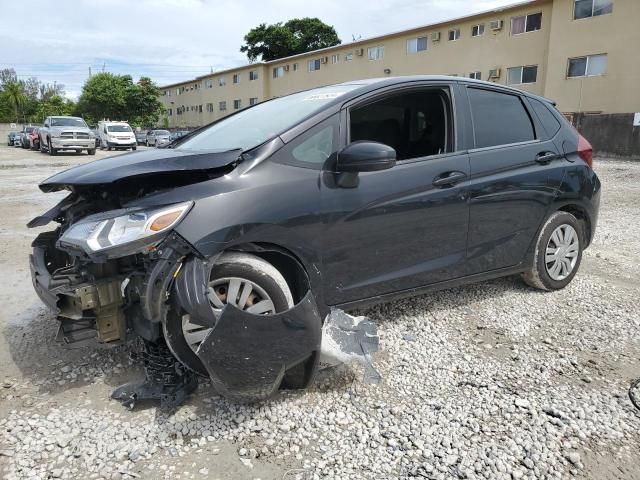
{"x": 347, "y": 339}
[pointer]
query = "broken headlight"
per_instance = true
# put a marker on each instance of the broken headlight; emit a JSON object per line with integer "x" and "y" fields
{"x": 134, "y": 229}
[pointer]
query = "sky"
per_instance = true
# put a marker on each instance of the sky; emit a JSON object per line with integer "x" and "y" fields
{"x": 175, "y": 40}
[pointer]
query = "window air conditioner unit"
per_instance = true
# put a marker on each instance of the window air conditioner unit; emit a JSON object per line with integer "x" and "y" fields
{"x": 286, "y": 68}
{"x": 324, "y": 59}
{"x": 360, "y": 51}
{"x": 495, "y": 73}
{"x": 496, "y": 25}
{"x": 435, "y": 37}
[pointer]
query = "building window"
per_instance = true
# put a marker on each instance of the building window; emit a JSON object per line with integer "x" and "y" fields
{"x": 237, "y": 104}
{"x": 177, "y": 91}
{"x": 170, "y": 112}
{"x": 591, "y": 8}
{"x": 335, "y": 58}
{"x": 314, "y": 65}
{"x": 454, "y": 34}
{"x": 376, "y": 53}
{"x": 476, "y": 75}
{"x": 526, "y": 23}
{"x": 222, "y": 106}
{"x": 295, "y": 67}
{"x": 415, "y": 45}
{"x": 236, "y": 78}
{"x": 477, "y": 30}
{"x": 278, "y": 72}
{"x": 222, "y": 82}
{"x": 518, "y": 75}
{"x": 210, "y": 107}
{"x": 200, "y": 108}
{"x": 196, "y": 86}
{"x": 589, "y": 66}
{"x": 253, "y": 75}
{"x": 348, "y": 57}
{"x": 253, "y": 100}
{"x": 208, "y": 83}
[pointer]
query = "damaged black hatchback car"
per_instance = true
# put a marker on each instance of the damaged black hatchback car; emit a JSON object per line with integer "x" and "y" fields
{"x": 229, "y": 248}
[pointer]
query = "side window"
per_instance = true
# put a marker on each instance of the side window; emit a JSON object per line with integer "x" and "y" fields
{"x": 312, "y": 148}
{"x": 549, "y": 121}
{"x": 416, "y": 124}
{"x": 499, "y": 118}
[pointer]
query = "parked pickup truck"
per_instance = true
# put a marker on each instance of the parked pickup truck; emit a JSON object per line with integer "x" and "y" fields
{"x": 66, "y": 133}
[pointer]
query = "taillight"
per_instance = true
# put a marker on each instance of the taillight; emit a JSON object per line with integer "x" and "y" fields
{"x": 585, "y": 150}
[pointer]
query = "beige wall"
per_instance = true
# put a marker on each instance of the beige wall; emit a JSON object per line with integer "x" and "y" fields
{"x": 617, "y": 35}
{"x": 561, "y": 37}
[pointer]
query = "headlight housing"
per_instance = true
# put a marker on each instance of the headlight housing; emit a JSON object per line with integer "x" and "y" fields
{"x": 127, "y": 231}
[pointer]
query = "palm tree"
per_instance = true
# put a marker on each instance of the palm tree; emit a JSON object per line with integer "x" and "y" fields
{"x": 16, "y": 96}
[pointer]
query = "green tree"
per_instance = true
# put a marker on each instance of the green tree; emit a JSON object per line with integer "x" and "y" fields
{"x": 117, "y": 97}
{"x": 55, "y": 105}
{"x": 298, "y": 35}
{"x": 16, "y": 98}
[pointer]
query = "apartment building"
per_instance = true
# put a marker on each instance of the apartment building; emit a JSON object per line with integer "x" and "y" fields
{"x": 581, "y": 53}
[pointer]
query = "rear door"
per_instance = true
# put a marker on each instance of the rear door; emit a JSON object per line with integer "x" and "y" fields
{"x": 516, "y": 170}
{"x": 404, "y": 227}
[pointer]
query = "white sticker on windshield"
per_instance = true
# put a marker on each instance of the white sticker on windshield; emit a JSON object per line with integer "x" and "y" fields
{"x": 323, "y": 96}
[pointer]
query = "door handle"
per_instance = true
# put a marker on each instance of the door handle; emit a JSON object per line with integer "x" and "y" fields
{"x": 449, "y": 178}
{"x": 545, "y": 157}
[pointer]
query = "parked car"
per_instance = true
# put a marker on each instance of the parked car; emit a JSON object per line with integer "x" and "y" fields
{"x": 66, "y": 133}
{"x": 25, "y": 136}
{"x": 17, "y": 139}
{"x": 230, "y": 248}
{"x": 116, "y": 135}
{"x": 157, "y": 138}
{"x": 10, "y": 138}
{"x": 97, "y": 135}
{"x": 34, "y": 139}
{"x": 141, "y": 137}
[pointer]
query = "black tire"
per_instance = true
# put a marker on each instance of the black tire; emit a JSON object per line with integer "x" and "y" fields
{"x": 91, "y": 151}
{"x": 52, "y": 151}
{"x": 232, "y": 264}
{"x": 41, "y": 146}
{"x": 134, "y": 148}
{"x": 538, "y": 276}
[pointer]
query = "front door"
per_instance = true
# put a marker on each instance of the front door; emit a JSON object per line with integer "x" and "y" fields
{"x": 404, "y": 227}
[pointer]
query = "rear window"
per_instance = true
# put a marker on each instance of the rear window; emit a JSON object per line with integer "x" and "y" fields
{"x": 550, "y": 123}
{"x": 499, "y": 118}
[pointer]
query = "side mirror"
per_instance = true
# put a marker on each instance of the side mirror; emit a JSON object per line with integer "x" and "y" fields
{"x": 365, "y": 156}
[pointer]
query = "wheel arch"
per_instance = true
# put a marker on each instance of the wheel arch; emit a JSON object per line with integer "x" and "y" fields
{"x": 581, "y": 213}
{"x": 300, "y": 275}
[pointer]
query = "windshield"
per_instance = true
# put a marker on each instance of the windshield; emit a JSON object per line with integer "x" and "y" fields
{"x": 251, "y": 127}
{"x": 160, "y": 133}
{"x": 68, "y": 122}
{"x": 119, "y": 128}
{"x": 29, "y": 129}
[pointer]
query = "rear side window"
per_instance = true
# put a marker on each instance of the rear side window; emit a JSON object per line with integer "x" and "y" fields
{"x": 499, "y": 118}
{"x": 550, "y": 123}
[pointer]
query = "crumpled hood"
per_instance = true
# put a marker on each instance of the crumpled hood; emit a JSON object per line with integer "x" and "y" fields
{"x": 138, "y": 164}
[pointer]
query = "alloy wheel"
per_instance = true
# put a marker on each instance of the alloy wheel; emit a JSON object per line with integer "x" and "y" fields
{"x": 562, "y": 251}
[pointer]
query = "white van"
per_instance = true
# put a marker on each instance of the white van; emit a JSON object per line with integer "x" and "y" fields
{"x": 116, "y": 135}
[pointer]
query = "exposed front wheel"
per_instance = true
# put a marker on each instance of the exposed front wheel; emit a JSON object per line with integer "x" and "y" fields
{"x": 558, "y": 253}
{"x": 246, "y": 281}
{"x": 91, "y": 151}
{"x": 52, "y": 151}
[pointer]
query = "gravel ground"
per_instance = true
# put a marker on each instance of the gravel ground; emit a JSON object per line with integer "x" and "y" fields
{"x": 493, "y": 380}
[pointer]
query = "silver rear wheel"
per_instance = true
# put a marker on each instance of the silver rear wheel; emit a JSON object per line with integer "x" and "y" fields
{"x": 561, "y": 253}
